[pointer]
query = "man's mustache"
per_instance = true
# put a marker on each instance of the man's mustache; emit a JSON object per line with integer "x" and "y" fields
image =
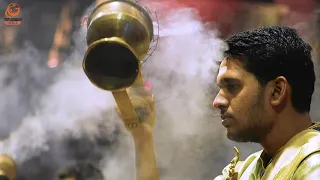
{"x": 225, "y": 115}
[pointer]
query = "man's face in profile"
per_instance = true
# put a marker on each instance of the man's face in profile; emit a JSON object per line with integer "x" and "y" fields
{"x": 241, "y": 103}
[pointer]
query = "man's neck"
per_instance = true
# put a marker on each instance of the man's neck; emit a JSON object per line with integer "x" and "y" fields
{"x": 283, "y": 130}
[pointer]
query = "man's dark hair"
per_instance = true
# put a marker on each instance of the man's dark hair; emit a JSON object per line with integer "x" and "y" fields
{"x": 274, "y": 51}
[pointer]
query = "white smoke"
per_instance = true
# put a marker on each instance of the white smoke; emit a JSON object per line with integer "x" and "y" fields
{"x": 182, "y": 73}
{"x": 188, "y": 137}
{"x": 65, "y": 107}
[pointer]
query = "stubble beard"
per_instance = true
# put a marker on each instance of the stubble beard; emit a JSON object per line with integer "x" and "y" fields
{"x": 257, "y": 126}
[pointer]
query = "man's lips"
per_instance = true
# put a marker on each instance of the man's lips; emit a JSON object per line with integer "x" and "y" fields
{"x": 225, "y": 116}
{"x": 226, "y": 120}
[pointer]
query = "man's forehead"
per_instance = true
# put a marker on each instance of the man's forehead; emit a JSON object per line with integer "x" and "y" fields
{"x": 231, "y": 63}
{"x": 230, "y": 68}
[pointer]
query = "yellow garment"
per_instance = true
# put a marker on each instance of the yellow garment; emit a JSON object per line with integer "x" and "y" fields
{"x": 298, "y": 159}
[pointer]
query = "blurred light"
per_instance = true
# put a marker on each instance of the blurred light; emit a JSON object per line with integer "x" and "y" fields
{"x": 52, "y": 63}
{"x": 84, "y": 21}
{"x": 148, "y": 85}
{"x": 53, "y": 58}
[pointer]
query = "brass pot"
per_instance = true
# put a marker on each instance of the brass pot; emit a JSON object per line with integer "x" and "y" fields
{"x": 118, "y": 37}
{"x": 7, "y": 167}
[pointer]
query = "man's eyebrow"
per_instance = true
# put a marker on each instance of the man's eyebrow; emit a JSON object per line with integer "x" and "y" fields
{"x": 228, "y": 80}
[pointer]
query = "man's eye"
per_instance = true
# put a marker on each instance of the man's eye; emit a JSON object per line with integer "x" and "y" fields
{"x": 232, "y": 87}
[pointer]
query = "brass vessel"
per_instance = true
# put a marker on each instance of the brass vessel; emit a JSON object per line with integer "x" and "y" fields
{"x": 7, "y": 167}
{"x": 119, "y": 33}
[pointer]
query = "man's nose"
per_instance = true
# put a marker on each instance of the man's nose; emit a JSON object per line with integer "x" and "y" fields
{"x": 220, "y": 102}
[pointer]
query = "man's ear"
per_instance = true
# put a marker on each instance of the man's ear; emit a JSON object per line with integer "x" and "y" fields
{"x": 279, "y": 91}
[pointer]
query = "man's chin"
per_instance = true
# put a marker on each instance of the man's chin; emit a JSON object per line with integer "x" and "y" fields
{"x": 237, "y": 137}
{"x": 231, "y": 135}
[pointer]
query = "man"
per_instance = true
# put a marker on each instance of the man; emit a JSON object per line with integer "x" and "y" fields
{"x": 266, "y": 82}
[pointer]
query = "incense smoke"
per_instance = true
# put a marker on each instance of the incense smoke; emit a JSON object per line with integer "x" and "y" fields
{"x": 189, "y": 139}
{"x": 69, "y": 106}
{"x": 54, "y": 117}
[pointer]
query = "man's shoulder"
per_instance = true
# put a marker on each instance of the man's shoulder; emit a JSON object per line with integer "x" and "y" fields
{"x": 312, "y": 144}
{"x": 309, "y": 168}
{"x": 312, "y": 160}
